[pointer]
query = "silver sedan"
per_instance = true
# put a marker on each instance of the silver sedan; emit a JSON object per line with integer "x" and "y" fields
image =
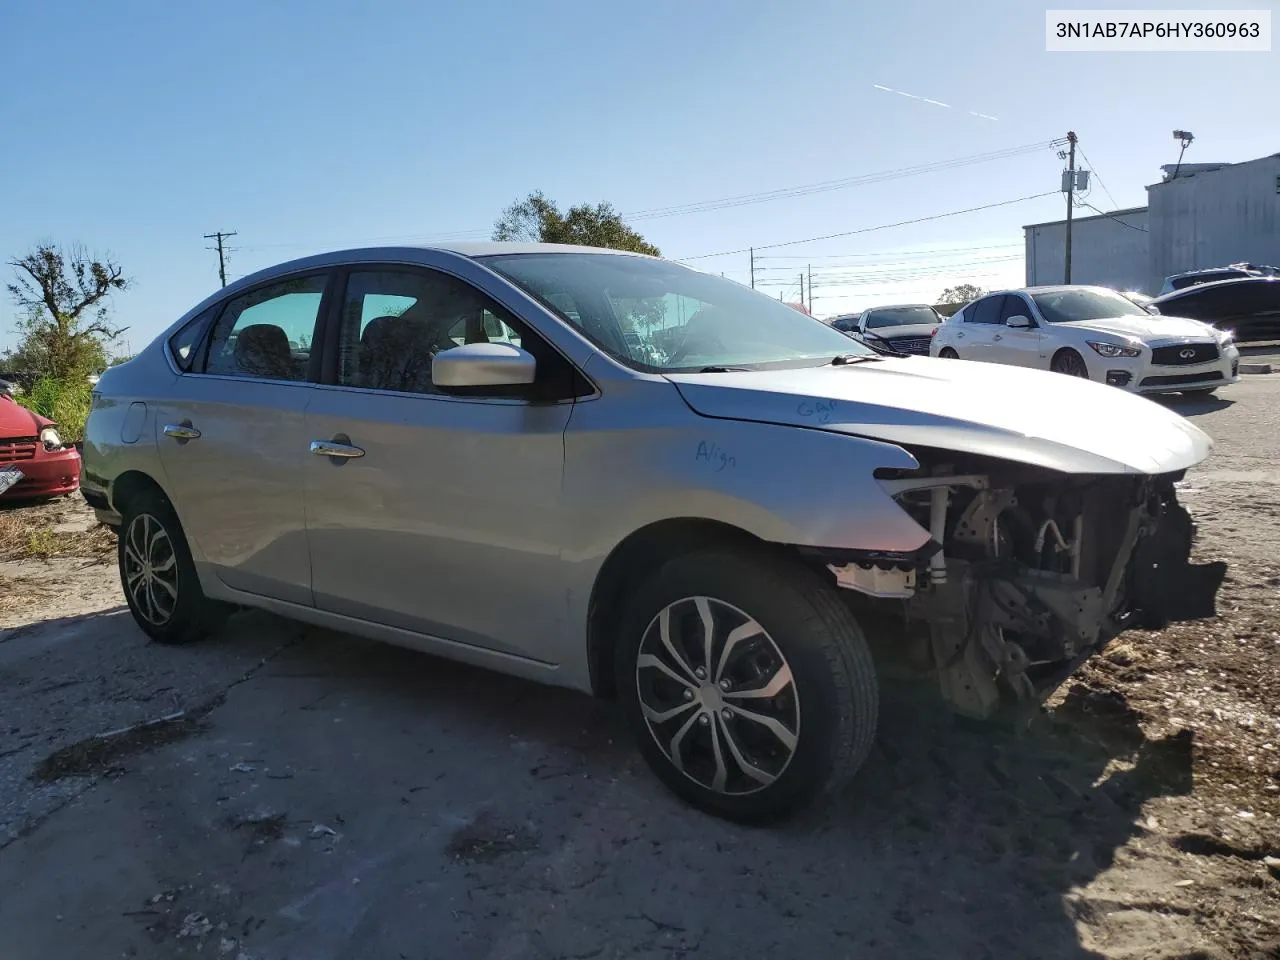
{"x": 615, "y": 473}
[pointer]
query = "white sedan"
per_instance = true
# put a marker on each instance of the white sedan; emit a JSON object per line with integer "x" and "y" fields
{"x": 1094, "y": 333}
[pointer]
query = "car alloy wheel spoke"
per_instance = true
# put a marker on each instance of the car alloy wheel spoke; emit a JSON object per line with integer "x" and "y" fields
{"x": 729, "y": 717}
{"x": 780, "y": 680}
{"x": 762, "y": 777}
{"x": 772, "y": 724}
{"x": 150, "y": 570}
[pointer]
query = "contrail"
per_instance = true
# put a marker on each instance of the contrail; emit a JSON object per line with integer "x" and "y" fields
{"x": 936, "y": 103}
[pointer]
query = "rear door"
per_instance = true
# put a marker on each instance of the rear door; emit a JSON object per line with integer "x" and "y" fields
{"x": 446, "y": 521}
{"x": 232, "y": 438}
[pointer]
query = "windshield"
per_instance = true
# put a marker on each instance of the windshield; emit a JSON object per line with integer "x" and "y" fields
{"x": 1066, "y": 306}
{"x": 659, "y": 316}
{"x": 901, "y": 317}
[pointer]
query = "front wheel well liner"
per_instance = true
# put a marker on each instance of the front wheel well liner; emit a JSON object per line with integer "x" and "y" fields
{"x": 130, "y": 485}
{"x": 635, "y": 558}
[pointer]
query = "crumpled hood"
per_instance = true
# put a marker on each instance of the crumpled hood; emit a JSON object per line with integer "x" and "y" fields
{"x": 1148, "y": 329}
{"x": 17, "y": 421}
{"x": 1013, "y": 413}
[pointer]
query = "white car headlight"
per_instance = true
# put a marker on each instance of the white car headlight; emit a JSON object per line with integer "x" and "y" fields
{"x": 1226, "y": 336}
{"x": 49, "y": 437}
{"x": 1112, "y": 350}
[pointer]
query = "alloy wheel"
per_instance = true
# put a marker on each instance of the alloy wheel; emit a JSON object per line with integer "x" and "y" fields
{"x": 1072, "y": 365}
{"x": 150, "y": 569}
{"x": 718, "y": 696}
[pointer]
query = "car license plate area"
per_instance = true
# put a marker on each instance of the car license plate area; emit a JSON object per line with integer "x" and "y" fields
{"x": 8, "y": 477}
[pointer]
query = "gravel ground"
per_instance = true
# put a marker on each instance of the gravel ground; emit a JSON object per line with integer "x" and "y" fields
{"x": 311, "y": 795}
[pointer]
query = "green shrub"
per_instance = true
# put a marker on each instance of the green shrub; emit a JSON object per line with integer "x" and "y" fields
{"x": 65, "y": 402}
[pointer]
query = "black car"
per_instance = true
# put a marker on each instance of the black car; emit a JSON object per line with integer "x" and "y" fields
{"x": 1250, "y": 307}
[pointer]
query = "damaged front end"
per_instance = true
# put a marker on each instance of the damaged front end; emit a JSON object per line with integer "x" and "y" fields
{"x": 1030, "y": 571}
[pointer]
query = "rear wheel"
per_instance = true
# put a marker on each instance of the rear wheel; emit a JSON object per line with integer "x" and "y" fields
{"x": 946, "y": 353}
{"x": 159, "y": 577}
{"x": 747, "y": 683}
{"x": 1070, "y": 363}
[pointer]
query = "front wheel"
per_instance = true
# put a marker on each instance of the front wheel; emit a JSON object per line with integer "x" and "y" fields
{"x": 158, "y": 576}
{"x": 946, "y": 353}
{"x": 1070, "y": 363}
{"x": 747, "y": 683}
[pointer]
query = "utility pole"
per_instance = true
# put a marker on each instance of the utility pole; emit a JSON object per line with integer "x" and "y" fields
{"x": 752, "y": 252}
{"x": 1071, "y": 192}
{"x": 802, "y": 289}
{"x": 809, "y": 268}
{"x": 219, "y": 236}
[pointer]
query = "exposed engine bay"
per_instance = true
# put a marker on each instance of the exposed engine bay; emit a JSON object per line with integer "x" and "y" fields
{"x": 1030, "y": 571}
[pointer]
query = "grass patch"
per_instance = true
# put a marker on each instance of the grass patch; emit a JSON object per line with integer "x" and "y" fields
{"x": 65, "y": 402}
{"x": 28, "y": 534}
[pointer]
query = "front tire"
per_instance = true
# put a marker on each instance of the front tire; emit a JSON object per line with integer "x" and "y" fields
{"x": 946, "y": 353}
{"x": 747, "y": 683}
{"x": 159, "y": 577}
{"x": 1070, "y": 363}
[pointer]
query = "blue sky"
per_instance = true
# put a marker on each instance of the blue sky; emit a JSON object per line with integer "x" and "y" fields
{"x": 312, "y": 125}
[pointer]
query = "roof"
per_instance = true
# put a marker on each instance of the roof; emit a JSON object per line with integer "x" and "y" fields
{"x": 1127, "y": 211}
{"x": 1214, "y": 285}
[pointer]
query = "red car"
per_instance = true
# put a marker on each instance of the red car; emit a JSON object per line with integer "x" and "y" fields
{"x": 33, "y": 461}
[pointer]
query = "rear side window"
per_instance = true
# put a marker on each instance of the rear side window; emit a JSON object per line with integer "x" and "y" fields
{"x": 267, "y": 333}
{"x": 185, "y": 344}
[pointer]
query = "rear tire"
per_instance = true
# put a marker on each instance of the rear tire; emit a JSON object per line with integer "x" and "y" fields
{"x": 702, "y": 721}
{"x": 946, "y": 353}
{"x": 1070, "y": 363}
{"x": 159, "y": 577}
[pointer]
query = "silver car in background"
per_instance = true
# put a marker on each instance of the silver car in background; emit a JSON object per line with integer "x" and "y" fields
{"x": 614, "y": 473}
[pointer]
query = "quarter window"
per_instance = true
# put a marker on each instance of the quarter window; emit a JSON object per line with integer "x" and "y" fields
{"x": 185, "y": 344}
{"x": 268, "y": 332}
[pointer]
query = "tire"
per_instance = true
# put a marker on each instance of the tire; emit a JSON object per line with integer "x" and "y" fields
{"x": 829, "y": 709}
{"x": 1070, "y": 363}
{"x": 946, "y": 353}
{"x": 165, "y": 598}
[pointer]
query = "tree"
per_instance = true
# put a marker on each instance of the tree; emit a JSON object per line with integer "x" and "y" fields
{"x": 65, "y": 294}
{"x": 961, "y": 294}
{"x": 538, "y": 219}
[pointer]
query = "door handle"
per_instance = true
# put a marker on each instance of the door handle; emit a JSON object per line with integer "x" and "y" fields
{"x": 960, "y": 335}
{"x": 181, "y": 431}
{"x": 330, "y": 448}
{"x": 996, "y": 336}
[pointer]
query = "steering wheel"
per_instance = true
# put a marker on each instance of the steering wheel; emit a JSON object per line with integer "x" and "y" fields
{"x": 698, "y": 332}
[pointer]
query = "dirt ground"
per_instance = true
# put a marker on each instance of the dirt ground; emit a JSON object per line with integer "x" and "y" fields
{"x": 303, "y": 794}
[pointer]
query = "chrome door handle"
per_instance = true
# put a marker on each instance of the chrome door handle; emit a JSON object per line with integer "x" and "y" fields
{"x": 181, "y": 431}
{"x": 960, "y": 335}
{"x": 995, "y": 336}
{"x": 328, "y": 448}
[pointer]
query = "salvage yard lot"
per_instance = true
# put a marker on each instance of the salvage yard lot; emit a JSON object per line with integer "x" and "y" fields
{"x": 306, "y": 794}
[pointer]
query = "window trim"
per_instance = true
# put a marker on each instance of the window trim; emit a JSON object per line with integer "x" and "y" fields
{"x": 332, "y": 320}
{"x": 313, "y": 363}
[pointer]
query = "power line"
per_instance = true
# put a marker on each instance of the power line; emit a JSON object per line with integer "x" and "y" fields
{"x": 1110, "y": 216}
{"x": 883, "y": 226}
{"x": 1098, "y": 178}
{"x": 882, "y": 253}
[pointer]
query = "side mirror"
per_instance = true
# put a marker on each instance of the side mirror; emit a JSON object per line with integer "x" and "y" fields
{"x": 1019, "y": 322}
{"x": 483, "y": 365}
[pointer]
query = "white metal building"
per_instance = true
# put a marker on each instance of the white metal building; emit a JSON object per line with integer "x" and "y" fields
{"x": 1210, "y": 215}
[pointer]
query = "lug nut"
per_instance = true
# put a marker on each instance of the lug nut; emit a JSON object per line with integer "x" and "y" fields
{"x": 703, "y": 719}
{"x": 726, "y": 713}
{"x": 724, "y": 684}
{"x": 700, "y": 673}
{"x": 688, "y": 694}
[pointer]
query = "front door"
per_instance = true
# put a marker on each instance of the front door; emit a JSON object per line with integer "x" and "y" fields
{"x": 443, "y": 518}
{"x": 232, "y": 440}
{"x": 981, "y": 322}
{"x": 1013, "y": 345}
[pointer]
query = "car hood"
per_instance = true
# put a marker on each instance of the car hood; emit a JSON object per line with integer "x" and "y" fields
{"x": 1148, "y": 329}
{"x": 1012, "y": 413}
{"x": 17, "y": 421}
{"x": 903, "y": 330}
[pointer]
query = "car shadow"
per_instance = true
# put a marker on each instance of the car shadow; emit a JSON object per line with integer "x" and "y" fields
{"x": 1190, "y": 406}
{"x": 957, "y": 839}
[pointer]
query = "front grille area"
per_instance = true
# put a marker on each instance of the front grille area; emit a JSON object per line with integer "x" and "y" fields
{"x": 1181, "y": 378}
{"x": 1173, "y": 356}
{"x": 916, "y": 345}
{"x": 20, "y": 448}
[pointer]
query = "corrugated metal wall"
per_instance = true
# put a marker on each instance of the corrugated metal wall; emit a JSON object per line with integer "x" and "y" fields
{"x": 1104, "y": 251}
{"x": 1215, "y": 218}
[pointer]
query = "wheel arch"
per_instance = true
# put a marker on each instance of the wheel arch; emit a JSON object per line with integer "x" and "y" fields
{"x": 636, "y": 557}
{"x": 130, "y": 485}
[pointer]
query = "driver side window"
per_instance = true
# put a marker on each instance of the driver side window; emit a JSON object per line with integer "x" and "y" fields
{"x": 1015, "y": 306}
